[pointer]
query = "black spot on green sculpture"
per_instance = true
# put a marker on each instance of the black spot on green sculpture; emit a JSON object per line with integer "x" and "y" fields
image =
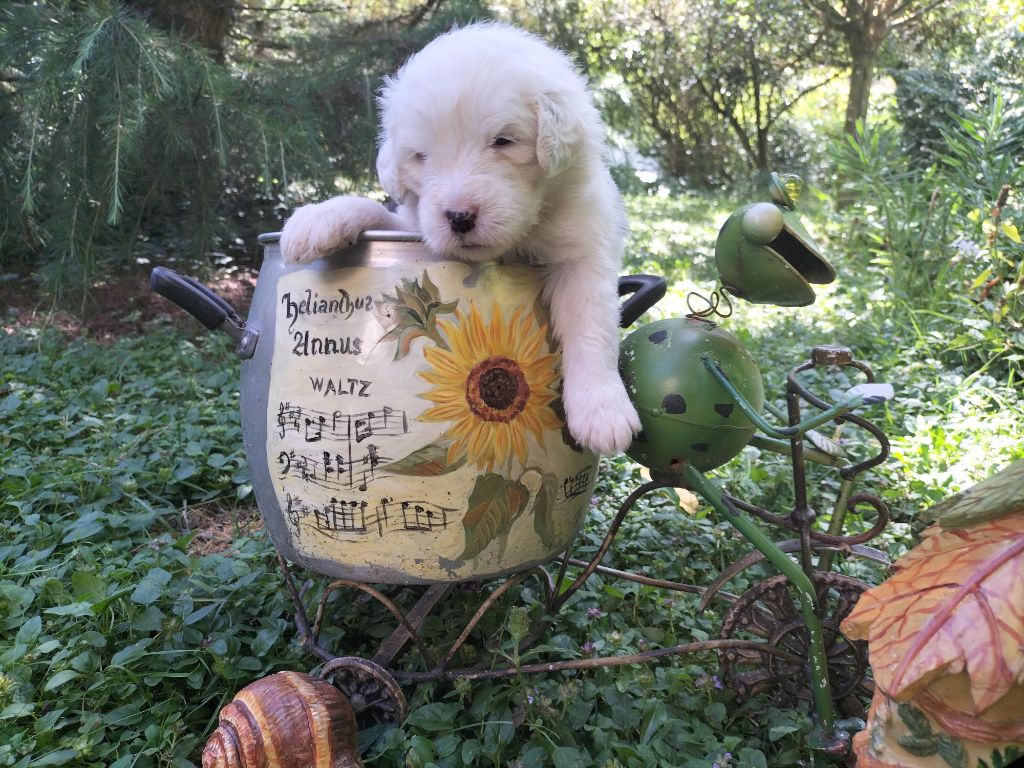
{"x": 674, "y": 403}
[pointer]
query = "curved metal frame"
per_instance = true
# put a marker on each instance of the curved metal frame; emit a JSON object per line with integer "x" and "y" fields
{"x": 829, "y": 735}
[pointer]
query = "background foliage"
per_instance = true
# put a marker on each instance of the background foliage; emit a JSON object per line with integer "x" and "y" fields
{"x": 137, "y": 590}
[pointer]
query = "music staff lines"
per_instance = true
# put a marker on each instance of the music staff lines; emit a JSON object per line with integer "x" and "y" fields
{"x": 339, "y": 516}
{"x": 333, "y": 471}
{"x": 314, "y": 426}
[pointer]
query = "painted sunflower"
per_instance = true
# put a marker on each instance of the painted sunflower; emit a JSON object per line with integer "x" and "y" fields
{"x": 496, "y": 383}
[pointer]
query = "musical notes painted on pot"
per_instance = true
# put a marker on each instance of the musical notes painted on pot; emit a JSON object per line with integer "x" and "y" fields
{"x": 315, "y": 426}
{"x": 333, "y": 471}
{"x": 359, "y": 516}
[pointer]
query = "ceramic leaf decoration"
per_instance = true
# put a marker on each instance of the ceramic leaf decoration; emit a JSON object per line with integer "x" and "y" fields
{"x": 991, "y": 498}
{"x": 416, "y": 305}
{"x": 495, "y": 503}
{"x": 955, "y": 604}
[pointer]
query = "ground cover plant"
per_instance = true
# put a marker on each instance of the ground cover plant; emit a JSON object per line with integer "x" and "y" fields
{"x": 138, "y": 592}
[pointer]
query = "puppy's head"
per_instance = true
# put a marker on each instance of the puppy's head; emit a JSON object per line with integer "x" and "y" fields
{"x": 475, "y": 129}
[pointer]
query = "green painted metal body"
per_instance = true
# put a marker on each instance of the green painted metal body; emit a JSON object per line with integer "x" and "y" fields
{"x": 764, "y": 253}
{"x": 817, "y": 661}
{"x": 687, "y": 415}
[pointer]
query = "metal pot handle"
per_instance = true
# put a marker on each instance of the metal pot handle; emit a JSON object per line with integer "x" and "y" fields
{"x": 646, "y": 290}
{"x": 205, "y": 306}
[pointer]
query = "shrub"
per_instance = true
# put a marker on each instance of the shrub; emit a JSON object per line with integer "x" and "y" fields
{"x": 119, "y": 128}
{"x": 947, "y": 236}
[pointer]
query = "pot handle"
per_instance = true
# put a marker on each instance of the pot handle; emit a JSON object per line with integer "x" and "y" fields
{"x": 646, "y": 290}
{"x": 205, "y": 306}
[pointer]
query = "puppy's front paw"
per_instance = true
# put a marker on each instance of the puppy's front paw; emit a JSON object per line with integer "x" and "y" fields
{"x": 310, "y": 234}
{"x": 601, "y": 416}
{"x": 313, "y": 231}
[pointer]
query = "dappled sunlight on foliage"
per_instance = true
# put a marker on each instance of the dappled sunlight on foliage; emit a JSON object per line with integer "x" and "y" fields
{"x": 138, "y": 591}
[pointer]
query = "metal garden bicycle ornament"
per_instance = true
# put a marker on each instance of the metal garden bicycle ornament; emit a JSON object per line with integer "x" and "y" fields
{"x": 402, "y": 424}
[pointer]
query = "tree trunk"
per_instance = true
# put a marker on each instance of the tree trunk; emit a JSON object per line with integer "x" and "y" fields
{"x": 862, "y": 71}
{"x": 206, "y": 22}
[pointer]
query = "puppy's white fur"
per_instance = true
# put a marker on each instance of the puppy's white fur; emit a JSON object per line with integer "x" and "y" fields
{"x": 489, "y": 122}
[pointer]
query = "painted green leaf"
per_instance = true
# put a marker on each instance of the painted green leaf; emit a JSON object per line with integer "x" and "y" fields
{"x": 915, "y": 720}
{"x": 405, "y": 340}
{"x": 544, "y": 510}
{"x": 919, "y": 746}
{"x": 429, "y": 461}
{"x": 999, "y": 759}
{"x": 992, "y": 498}
{"x": 952, "y": 751}
{"x": 416, "y": 309}
{"x": 494, "y": 505}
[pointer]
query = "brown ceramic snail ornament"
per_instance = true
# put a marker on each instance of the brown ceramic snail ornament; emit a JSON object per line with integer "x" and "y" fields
{"x": 286, "y": 720}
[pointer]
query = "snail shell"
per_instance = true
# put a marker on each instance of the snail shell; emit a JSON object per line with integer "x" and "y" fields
{"x": 286, "y": 720}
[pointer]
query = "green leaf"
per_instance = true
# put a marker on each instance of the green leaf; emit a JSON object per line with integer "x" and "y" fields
{"x": 59, "y": 757}
{"x": 87, "y": 586}
{"x": 438, "y": 716}
{"x": 185, "y": 469}
{"x": 18, "y": 598}
{"x": 84, "y": 529}
{"x": 753, "y": 757}
{"x": 776, "y": 732}
{"x": 200, "y": 613}
{"x": 131, "y": 653}
{"x": 494, "y": 505}
{"x": 19, "y": 709}
{"x": 216, "y": 460}
{"x": 30, "y": 630}
{"x": 470, "y": 750}
{"x": 150, "y": 620}
{"x": 122, "y": 715}
{"x": 151, "y": 587}
{"x": 71, "y": 609}
{"x": 265, "y": 640}
{"x": 429, "y": 461}
{"x": 543, "y": 510}
{"x": 655, "y": 717}
{"x": 10, "y": 404}
{"x": 568, "y": 757}
{"x": 716, "y": 712}
{"x": 15, "y": 653}
{"x": 101, "y": 605}
{"x": 60, "y": 678}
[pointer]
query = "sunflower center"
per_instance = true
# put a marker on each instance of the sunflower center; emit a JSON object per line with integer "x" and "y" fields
{"x": 496, "y": 389}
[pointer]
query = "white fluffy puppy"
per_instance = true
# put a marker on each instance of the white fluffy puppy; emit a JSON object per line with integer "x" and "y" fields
{"x": 492, "y": 147}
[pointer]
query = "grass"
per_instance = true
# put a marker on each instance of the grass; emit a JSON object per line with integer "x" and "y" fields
{"x": 124, "y": 628}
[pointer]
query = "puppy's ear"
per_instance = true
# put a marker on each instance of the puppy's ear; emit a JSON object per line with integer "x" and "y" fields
{"x": 389, "y": 172}
{"x": 560, "y": 133}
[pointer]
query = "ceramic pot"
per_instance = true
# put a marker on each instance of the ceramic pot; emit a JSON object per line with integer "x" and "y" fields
{"x": 401, "y": 412}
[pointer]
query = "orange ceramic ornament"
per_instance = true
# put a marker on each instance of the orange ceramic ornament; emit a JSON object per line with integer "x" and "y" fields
{"x": 946, "y": 638}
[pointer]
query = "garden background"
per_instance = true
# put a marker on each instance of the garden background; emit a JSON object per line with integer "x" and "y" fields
{"x": 138, "y": 591}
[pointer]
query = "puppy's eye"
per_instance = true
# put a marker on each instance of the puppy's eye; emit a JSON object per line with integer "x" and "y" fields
{"x": 502, "y": 141}
{"x": 420, "y": 156}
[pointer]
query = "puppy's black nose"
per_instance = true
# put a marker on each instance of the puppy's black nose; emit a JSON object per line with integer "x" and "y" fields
{"x": 461, "y": 222}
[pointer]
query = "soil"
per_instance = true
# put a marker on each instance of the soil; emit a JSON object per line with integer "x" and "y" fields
{"x": 216, "y": 527}
{"x": 120, "y": 306}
